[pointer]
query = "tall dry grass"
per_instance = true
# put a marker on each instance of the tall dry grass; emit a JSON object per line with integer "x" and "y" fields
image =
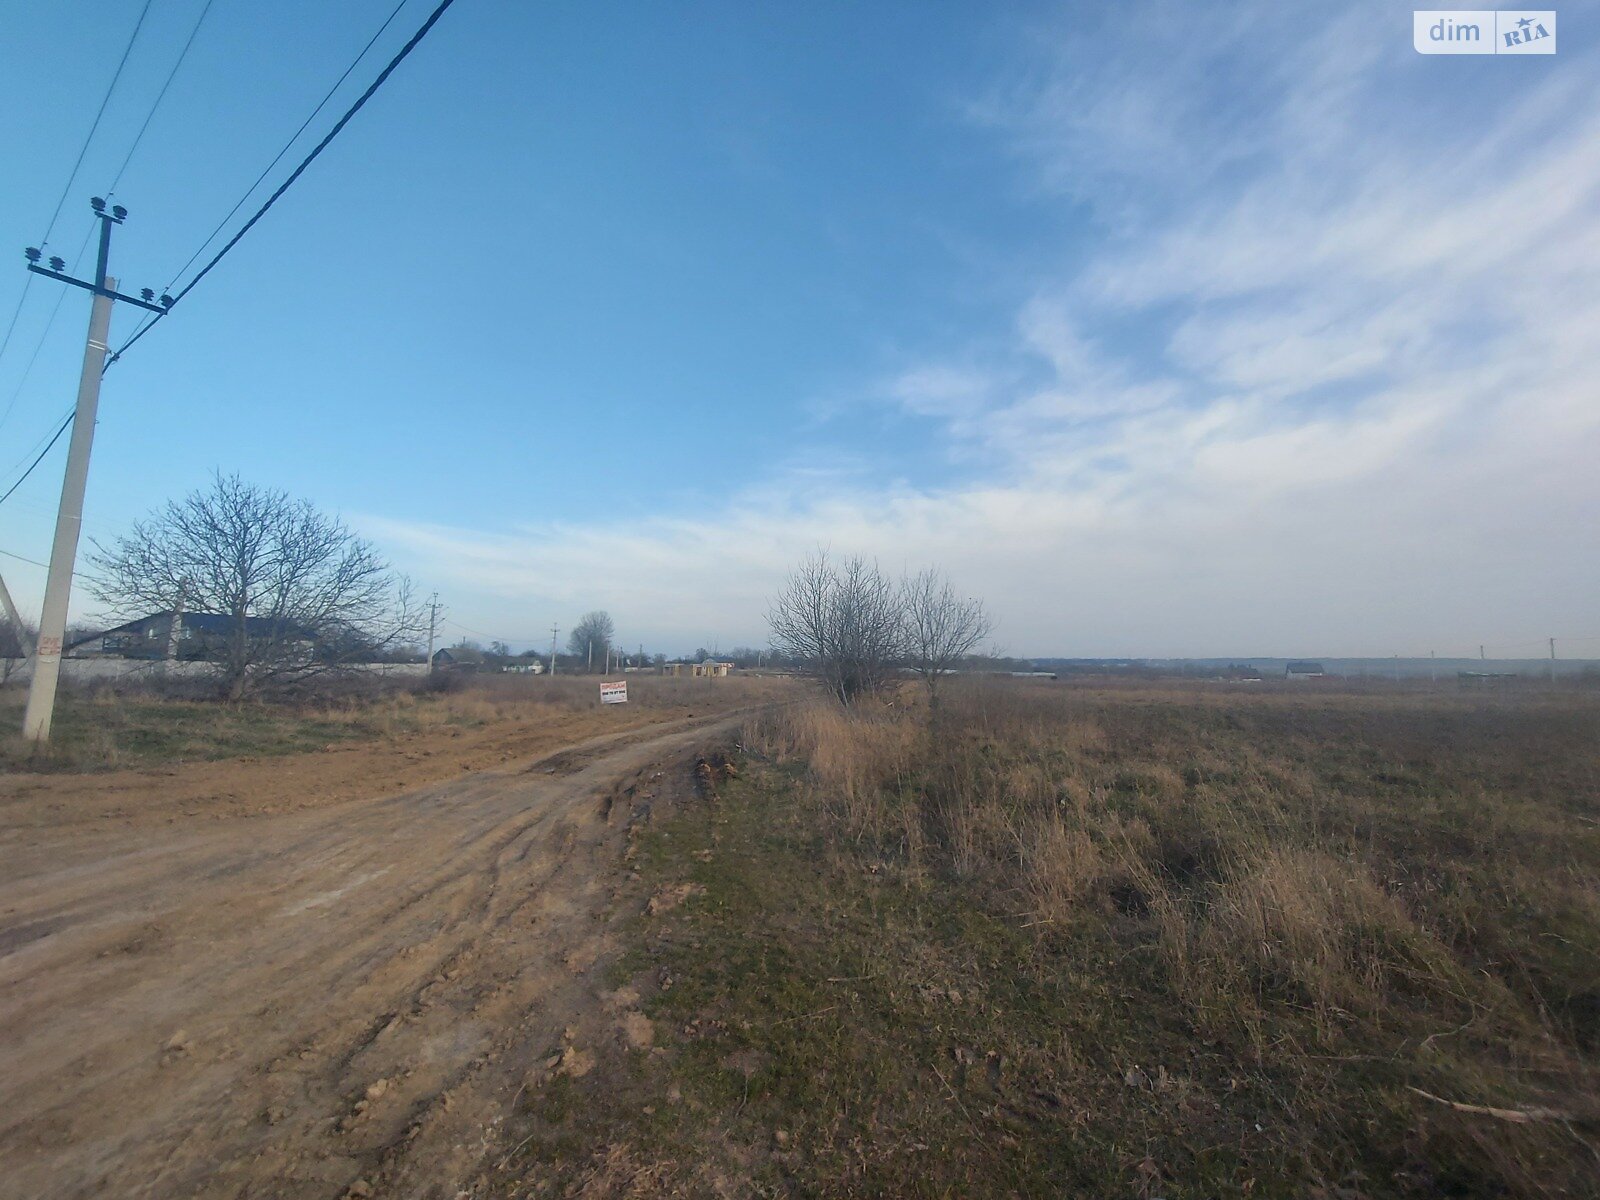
{"x": 1411, "y": 878}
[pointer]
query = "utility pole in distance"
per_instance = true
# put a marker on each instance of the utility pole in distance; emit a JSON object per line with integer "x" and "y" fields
{"x": 24, "y": 640}
{"x": 433, "y": 625}
{"x": 1552, "y": 660}
{"x": 554, "y": 629}
{"x": 69, "y": 518}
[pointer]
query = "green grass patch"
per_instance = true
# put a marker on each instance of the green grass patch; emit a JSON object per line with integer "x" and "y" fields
{"x": 101, "y": 733}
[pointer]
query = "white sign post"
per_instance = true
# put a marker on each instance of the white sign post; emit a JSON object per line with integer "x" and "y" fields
{"x": 614, "y": 693}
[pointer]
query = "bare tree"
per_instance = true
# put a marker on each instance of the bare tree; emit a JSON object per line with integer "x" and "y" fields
{"x": 840, "y": 622}
{"x": 941, "y": 628}
{"x": 17, "y": 642}
{"x": 301, "y": 593}
{"x": 591, "y": 638}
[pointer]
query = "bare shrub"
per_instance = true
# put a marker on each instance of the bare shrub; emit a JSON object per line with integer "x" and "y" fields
{"x": 940, "y": 627}
{"x": 842, "y": 623}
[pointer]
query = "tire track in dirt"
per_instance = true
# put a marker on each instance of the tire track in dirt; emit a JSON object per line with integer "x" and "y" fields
{"x": 286, "y": 1005}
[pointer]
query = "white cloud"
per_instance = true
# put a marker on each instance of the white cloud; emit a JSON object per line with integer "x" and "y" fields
{"x": 1325, "y": 385}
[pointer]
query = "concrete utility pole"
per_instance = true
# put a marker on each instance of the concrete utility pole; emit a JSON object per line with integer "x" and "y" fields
{"x": 1480, "y": 652}
{"x": 175, "y": 629}
{"x": 69, "y": 517}
{"x": 433, "y": 625}
{"x": 1552, "y": 660}
{"x": 24, "y": 639}
{"x": 554, "y": 629}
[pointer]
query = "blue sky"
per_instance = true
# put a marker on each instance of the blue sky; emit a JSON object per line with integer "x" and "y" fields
{"x": 1250, "y": 332}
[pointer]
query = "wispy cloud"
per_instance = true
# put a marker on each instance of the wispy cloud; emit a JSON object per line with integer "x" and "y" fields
{"x": 1321, "y": 378}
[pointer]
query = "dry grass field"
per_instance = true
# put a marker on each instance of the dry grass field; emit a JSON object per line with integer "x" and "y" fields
{"x": 1147, "y": 941}
{"x": 103, "y": 728}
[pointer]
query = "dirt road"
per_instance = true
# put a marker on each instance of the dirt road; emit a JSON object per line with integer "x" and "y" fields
{"x": 343, "y": 1000}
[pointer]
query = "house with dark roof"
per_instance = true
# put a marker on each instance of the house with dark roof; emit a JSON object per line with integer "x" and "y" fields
{"x": 1304, "y": 670}
{"x": 460, "y": 658}
{"x": 199, "y": 636}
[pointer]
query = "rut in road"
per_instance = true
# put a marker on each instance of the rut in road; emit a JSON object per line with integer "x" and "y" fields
{"x": 287, "y": 1005}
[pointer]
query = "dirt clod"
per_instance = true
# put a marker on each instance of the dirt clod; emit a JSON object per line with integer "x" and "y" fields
{"x": 575, "y": 1063}
{"x": 637, "y": 1030}
{"x": 668, "y": 898}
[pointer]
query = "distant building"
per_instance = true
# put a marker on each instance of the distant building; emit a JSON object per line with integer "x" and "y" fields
{"x": 460, "y": 658}
{"x": 710, "y": 669}
{"x": 1486, "y": 679}
{"x": 523, "y": 666}
{"x": 200, "y": 636}
{"x": 1304, "y": 670}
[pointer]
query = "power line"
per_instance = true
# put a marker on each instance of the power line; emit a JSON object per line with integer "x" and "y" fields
{"x": 360, "y": 102}
{"x": 128, "y": 158}
{"x": 321, "y": 104}
{"x": 78, "y": 163}
{"x": 160, "y": 96}
{"x": 55, "y": 309}
{"x": 71, "y": 179}
{"x": 33, "y": 562}
{"x": 492, "y": 637}
{"x": 32, "y": 450}
{"x": 34, "y": 357}
{"x": 59, "y": 431}
{"x": 15, "y": 313}
{"x": 480, "y": 633}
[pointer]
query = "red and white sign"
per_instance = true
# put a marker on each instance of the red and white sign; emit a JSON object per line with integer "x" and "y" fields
{"x": 614, "y": 693}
